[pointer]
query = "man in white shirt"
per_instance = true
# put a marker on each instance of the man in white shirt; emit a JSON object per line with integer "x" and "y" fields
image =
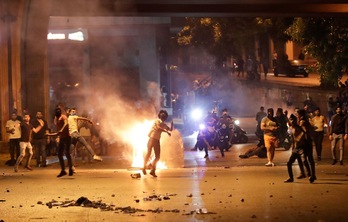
{"x": 75, "y": 135}
{"x": 14, "y": 130}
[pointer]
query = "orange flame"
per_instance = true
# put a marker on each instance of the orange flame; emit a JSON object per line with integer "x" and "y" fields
{"x": 137, "y": 136}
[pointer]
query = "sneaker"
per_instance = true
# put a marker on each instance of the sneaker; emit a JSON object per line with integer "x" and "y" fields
{"x": 144, "y": 171}
{"x": 301, "y": 176}
{"x": 341, "y": 162}
{"x": 269, "y": 164}
{"x": 319, "y": 158}
{"x": 28, "y": 167}
{"x": 152, "y": 173}
{"x": 334, "y": 162}
{"x": 15, "y": 169}
{"x": 311, "y": 179}
{"x": 206, "y": 156}
{"x": 62, "y": 173}
{"x": 289, "y": 180}
{"x": 71, "y": 172}
{"x": 97, "y": 158}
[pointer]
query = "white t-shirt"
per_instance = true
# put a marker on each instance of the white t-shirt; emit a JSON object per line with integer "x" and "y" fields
{"x": 72, "y": 121}
{"x": 14, "y": 124}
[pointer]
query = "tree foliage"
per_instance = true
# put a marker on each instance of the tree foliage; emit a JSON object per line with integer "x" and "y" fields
{"x": 326, "y": 40}
{"x": 222, "y": 37}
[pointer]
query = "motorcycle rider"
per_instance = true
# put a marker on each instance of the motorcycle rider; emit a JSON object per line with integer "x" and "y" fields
{"x": 223, "y": 139}
{"x": 226, "y": 119}
{"x": 206, "y": 137}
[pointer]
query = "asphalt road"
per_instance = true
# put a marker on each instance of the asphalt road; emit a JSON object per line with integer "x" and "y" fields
{"x": 214, "y": 189}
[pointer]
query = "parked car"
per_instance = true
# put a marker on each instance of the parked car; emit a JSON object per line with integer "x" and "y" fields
{"x": 291, "y": 68}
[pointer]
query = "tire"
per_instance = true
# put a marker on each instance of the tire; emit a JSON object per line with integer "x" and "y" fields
{"x": 287, "y": 146}
{"x": 243, "y": 139}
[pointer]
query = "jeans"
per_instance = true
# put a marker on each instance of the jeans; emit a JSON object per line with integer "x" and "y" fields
{"x": 40, "y": 151}
{"x": 337, "y": 138}
{"x": 23, "y": 146}
{"x": 75, "y": 137}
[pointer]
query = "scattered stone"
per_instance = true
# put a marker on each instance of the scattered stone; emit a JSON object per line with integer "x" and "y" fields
{"x": 253, "y": 216}
{"x": 7, "y": 190}
{"x": 230, "y": 195}
{"x": 190, "y": 195}
{"x": 113, "y": 195}
{"x": 270, "y": 195}
{"x": 242, "y": 200}
{"x": 137, "y": 200}
{"x": 2, "y": 200}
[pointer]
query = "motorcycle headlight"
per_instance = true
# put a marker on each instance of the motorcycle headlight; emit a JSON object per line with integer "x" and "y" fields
{"x": 236, "y": 122}
{"x": 197, "y": 114}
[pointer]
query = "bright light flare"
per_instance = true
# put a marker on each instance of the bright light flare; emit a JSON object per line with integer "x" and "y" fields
{"x": 197, "y": 114}
{"x": 237, "y": 122}
{"x": 201, "y": 126}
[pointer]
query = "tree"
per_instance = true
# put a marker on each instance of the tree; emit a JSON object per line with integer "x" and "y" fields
{"x": 326, "y": 39}
{"x": 276, "y": 29}
{"x": 222, "y": 37}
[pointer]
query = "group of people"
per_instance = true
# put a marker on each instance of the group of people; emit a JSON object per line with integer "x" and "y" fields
{"x": 24, "y": 133}
{"x": 301, "y": 129}
{"x": 217, "y": 133}
{"x": 307, "y": 129}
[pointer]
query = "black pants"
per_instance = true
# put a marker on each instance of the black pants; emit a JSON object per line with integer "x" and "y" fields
{"x": 293, "y": 157}
{"x": 308, "y": 160}
{"x": 318, "y": 137}
{"x": 14, "y": 149}
{"x": 64, "y": 147}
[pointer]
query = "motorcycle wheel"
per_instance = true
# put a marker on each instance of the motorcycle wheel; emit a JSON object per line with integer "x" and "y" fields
{"x": 243, "y": 139}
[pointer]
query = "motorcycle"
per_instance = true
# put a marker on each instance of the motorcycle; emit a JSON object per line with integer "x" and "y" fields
{"x": 285, "y": 141}
{"x": 238, "y": 135}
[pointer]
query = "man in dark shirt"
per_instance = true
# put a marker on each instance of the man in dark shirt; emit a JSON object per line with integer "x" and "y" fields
{"x": 24, "y": 143}
{"x": 338, "y": 133}
{"x": 39, "y": 140}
